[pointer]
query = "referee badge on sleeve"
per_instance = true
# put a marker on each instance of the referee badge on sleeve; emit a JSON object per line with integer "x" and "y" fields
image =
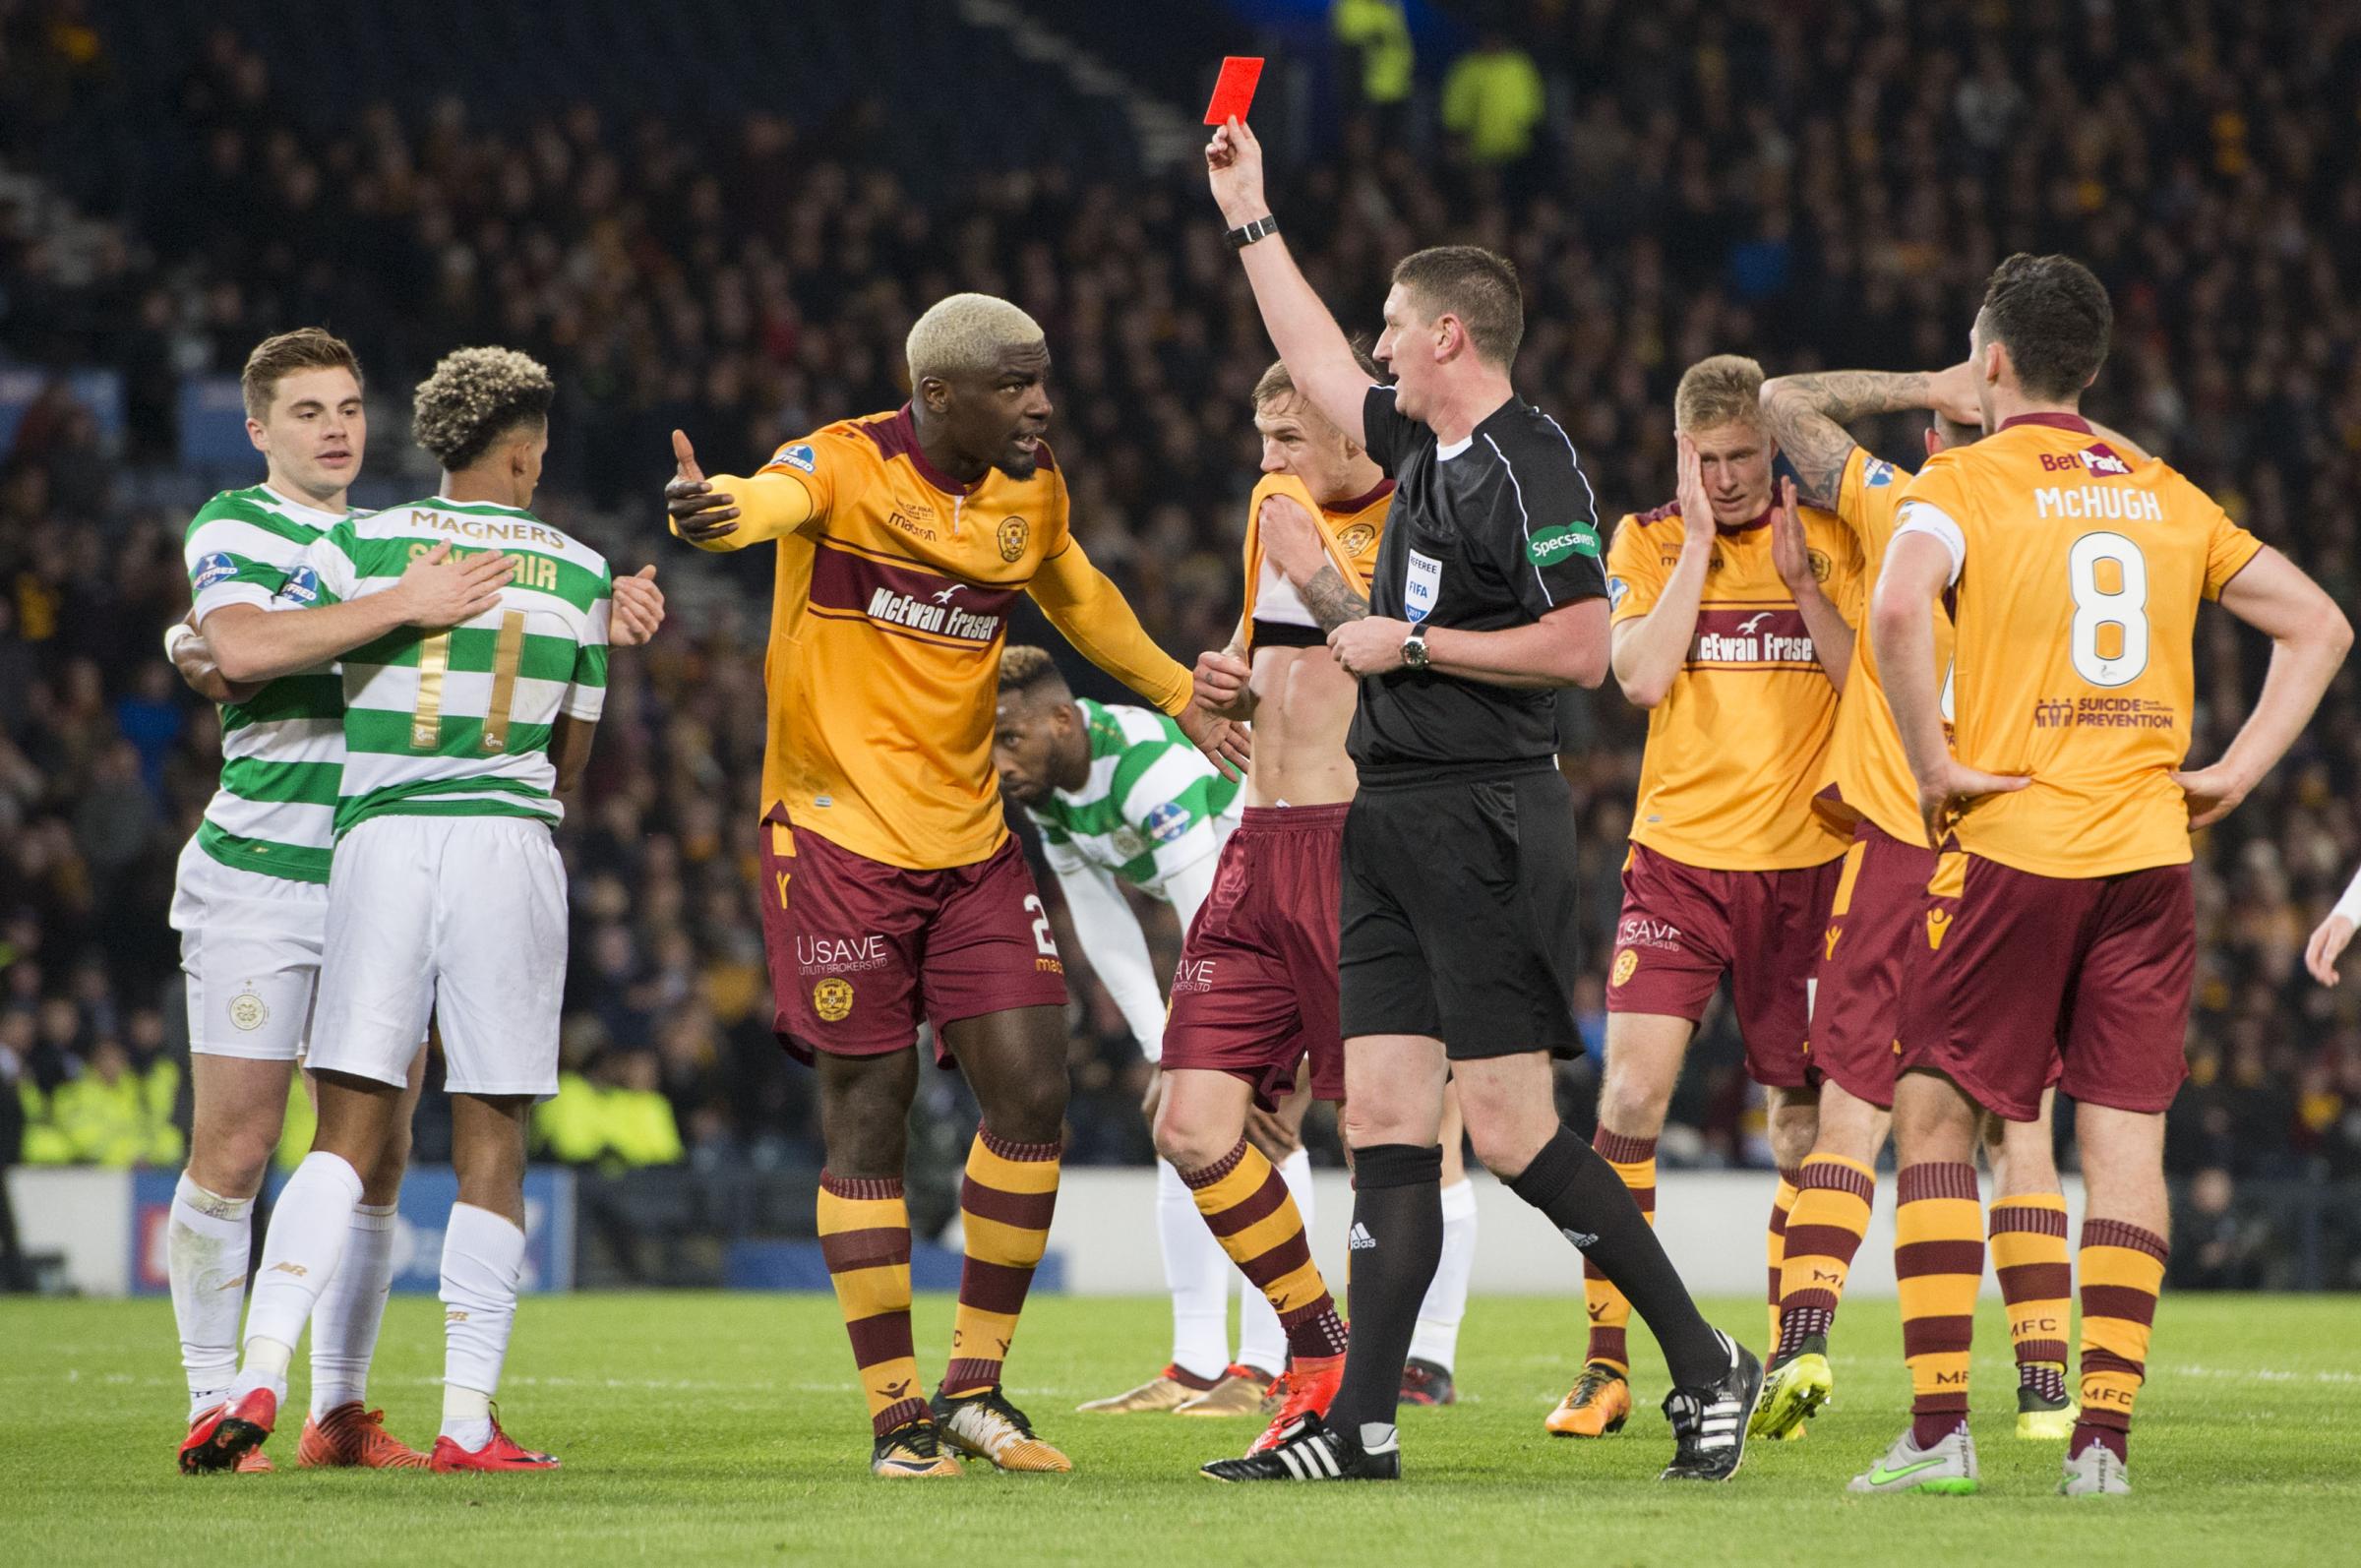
{"x": 1422, "y": 587}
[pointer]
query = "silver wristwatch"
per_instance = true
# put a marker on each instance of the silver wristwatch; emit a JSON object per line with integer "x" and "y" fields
{"x": 1414, "y": 650}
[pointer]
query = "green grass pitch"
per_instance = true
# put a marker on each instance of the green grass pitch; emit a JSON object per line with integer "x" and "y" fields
{"x": 728, "y": 1428}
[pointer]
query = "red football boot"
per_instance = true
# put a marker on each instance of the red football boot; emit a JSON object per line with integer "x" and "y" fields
{"x": 1308, "y": 1386}
{"x": 224, "y": 1437}
{"x": 501, "y": 1453}
{"x": 350, "y": 1435}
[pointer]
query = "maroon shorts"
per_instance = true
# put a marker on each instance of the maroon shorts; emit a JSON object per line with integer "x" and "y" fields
{"x": 1878, "y": 913}
{"x": 1255, "y": 991}
{"x": 860, "y": 951}
{"x": 1683, "y": 928}
{"x": 2025, "y": 981}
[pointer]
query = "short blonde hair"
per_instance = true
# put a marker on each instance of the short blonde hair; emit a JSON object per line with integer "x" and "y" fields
{"x": 1727, "y": 389}
{"x": 475, "y": 396}
{"x": 967, "y": 333}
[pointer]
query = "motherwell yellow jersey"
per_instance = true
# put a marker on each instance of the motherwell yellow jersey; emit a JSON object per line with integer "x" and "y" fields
{"x": 2079, "y": 575}
{"x": 1349, "y": 530}
{"x": 1867, "y": 770}
{"x": 1740, "y": 746}
{"x": 888, "y": 621}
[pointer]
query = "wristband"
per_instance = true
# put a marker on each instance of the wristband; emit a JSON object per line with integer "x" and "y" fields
{"x": 176, "y": 634}
{"x": 1247, "y": 234}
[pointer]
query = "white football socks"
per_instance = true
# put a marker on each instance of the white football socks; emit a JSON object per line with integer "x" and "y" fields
{"x": 483, "y": 1259}
{"x": 1198, "y": 1272}
{"x": 207, "y": 1242}
{"x": 1261, "y": 1342}
{"x": 1436, "y": 1337}
{"x": 300, "y": 1255}
{"x": 346, "y": 1321}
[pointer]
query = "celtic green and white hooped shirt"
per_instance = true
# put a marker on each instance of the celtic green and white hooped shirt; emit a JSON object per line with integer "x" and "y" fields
{"x": 458, "y": 723}
{"x": 282, "y": 751}
{"x": 1149, "y": 807}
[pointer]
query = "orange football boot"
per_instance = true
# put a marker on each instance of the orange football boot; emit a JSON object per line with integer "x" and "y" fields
{"x": 350, "y": 1435}
{"x": 222, "y": 1437}
{"x": 501, "y": 1453}
{"x": 1308, "y": 1387}
{"x": 1598, "y": 1406}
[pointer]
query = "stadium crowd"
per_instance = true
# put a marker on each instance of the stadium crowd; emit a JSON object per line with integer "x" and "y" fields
{"x": 1824, "y": 187}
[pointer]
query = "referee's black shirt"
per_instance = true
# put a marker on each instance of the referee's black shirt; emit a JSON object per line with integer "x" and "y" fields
{"x": 1494, "y": 532}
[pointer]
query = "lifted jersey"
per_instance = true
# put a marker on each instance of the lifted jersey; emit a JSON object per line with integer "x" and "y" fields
{"x": 1151, "y": 806}
{"x": 1348, "y": 531}
{"x": 282, "y": 749}
{"x": 457, "y": 723}
{"x": 1738, "y": 746}
{"x": 1866, "y": 765}
{"x": 2079, "y": 575}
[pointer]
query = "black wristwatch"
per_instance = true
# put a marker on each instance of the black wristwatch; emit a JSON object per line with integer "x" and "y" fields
{"x": 1247, "y": 234}
{"x": 1414, "y": 650}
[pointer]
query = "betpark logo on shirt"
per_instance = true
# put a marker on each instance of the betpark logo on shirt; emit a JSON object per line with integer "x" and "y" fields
{"x": 1555, "y": 544}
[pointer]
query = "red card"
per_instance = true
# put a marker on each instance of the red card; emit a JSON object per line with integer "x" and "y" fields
{"x": 1234, "y": 91}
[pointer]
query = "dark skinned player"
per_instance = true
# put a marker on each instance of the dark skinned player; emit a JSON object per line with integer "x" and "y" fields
{"x": 895, "y": 894}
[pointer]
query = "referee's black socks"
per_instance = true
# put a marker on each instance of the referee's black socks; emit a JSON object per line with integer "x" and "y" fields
{"x": 1397, "y": 1240}
{"x": 1592, "y": 1207}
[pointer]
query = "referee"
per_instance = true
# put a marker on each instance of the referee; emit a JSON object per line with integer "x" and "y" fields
{"x": 1459, "y": 901}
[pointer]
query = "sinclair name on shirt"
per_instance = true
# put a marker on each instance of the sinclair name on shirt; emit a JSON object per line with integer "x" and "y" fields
{"x": 931, "y": 616}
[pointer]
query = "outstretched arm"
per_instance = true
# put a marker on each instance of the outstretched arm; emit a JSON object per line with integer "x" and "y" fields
{"x": 1309, "y": 343}
{"x": 1807, "y": 415}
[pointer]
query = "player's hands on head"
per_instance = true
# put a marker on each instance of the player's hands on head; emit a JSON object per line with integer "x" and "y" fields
{"x": 1227, "y": 744}
{"x": 438, "y": 591}
{"x": 2328, "y": 941}
{"x": 639, "y": 609}
{"x": 2212, "y": 792}
{"x": 1952, "y": 393}
{"x": 1955, "y": 791}
{"x": 1696, "y": 507}
{"x": 1289, "y": 538}
{"x": 1222, "y": 681}
{"x": 1371, "y": 645}
{"x": 1234, "y": 168}
{"x": 695, "y": 508}
{"x": 1791, "y": 555}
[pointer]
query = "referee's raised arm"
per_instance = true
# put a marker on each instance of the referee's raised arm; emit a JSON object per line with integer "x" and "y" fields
{"x": 1309, "y": 343}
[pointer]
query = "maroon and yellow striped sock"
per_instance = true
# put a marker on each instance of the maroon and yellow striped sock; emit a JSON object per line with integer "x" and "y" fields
{"x": 2123, "y": 1272}
{"x": 1833, "y": 1196}
{"x": 1634, "y": 1160}
{"x": 1248, "y": 1209}
{"x": 2028, "y": 1255}
{"x": 1775, "y": 1243}
{"x": 864, "y": 1241}
{"x": 1939, "y": 1264}
{"x": 1004, "y": 1209}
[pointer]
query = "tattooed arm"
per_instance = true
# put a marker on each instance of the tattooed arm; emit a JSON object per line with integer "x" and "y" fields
{"x": 1807, "y": 415}
{"x": 1292, "y": 542}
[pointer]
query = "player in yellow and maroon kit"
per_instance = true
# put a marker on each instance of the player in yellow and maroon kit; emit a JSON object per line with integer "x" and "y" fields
{"x": 894, "y": 893}
{"x": 2059, "y": 935}
{"x": 1729, "y": 628}
{"x": 1856, "y": 1007}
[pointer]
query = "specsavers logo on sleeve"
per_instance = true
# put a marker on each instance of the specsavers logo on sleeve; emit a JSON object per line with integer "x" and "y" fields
{"x": 1552, "y": 545}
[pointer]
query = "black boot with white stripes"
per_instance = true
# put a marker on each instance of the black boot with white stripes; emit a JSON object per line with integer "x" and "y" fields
{"x": 1312, "y": 1452}
{"x": 1708, "y": 1420}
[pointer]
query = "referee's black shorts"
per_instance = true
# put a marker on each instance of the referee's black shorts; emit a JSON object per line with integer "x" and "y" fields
{"x": 1459, "y": 913}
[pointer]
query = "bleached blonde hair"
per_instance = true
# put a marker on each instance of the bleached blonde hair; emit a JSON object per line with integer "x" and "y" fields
{"x": 1726, "y": 389}
{"x": 967, "y": 333}
{"x": 475, "y": 396}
